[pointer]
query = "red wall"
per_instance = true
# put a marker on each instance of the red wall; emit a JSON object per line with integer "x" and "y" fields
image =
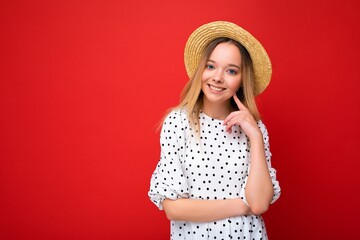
{"x": 83, "y": 85}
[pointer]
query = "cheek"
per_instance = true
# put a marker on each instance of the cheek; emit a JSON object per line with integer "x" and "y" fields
{"x": 205, "y": 76}
{"x": 235, "y": 84}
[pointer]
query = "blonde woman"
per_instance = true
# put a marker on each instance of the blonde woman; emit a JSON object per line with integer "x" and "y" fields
{"x": 214, "y": 178}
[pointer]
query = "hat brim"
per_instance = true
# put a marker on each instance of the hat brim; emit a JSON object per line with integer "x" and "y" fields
{"x": 205, "y": 34}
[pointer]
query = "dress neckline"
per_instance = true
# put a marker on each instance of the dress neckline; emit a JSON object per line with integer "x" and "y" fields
{"x": 210, "y": 119}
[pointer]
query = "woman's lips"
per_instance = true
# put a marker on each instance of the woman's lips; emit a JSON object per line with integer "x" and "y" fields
{"x": 216, "y": 89}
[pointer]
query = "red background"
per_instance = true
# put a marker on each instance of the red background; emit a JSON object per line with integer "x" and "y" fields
{"x": 85, "y": 83}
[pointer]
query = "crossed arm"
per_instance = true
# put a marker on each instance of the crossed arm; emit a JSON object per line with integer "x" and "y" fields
{"x": 258, "y": 192}
{"x": 195, "y": 210}
{"x": 259, "y": 188}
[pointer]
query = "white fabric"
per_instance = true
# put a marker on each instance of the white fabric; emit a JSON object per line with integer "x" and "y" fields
{"x": 214, "y": 166}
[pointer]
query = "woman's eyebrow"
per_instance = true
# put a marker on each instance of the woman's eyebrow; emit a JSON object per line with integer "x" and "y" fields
{"x": 234, "y": 65}
{"x": 230, "y": 65}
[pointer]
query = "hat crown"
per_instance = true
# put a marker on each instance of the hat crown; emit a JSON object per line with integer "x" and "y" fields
{"x": 205, "y": 34}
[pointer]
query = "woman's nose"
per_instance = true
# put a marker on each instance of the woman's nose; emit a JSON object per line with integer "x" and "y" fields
{"x": 218, "y": 76}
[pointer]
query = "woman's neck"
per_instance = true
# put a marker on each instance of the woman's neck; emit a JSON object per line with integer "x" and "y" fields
{"x": 216, "y": 110}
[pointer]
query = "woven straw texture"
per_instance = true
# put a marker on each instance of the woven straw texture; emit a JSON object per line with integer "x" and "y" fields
{"x": 202, "y": 36}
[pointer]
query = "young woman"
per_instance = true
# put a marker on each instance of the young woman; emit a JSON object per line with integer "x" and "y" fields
{"x": 214, "y": 178}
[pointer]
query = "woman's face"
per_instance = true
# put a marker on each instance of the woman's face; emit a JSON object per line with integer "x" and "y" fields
{"x": 222, "y": 76}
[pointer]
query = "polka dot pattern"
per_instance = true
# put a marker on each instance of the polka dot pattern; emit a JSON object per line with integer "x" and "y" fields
{"x": 213, "y": 165}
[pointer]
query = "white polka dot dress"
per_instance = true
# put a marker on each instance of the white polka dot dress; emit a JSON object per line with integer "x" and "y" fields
{"x": 212, "y": 166}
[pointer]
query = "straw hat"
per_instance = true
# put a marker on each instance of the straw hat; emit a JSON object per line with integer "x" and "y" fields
{"x": 202, "y": 36}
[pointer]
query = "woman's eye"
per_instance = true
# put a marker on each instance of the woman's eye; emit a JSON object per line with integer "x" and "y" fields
{"x": 232, "y": 71}
{"x": 210, "y": 67}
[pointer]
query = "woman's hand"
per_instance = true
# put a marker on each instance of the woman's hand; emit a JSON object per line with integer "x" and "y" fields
{"x": 259, "y": 189}
{"x": 244, "y": 119}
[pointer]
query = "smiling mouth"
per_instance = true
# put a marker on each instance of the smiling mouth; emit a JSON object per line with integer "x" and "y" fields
{"x": 217, "y": 89}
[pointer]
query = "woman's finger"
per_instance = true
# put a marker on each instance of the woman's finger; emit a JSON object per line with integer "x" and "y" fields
{"x": 237, "y": 119}
{"x": 229, "y": 117}
{"x": 229, "y": 126}
{"x": 239, "y": 103}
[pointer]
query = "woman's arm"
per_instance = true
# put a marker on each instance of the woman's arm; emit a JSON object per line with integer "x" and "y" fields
{"x": 195, "y": 210}
{"x": 259, "y": 188}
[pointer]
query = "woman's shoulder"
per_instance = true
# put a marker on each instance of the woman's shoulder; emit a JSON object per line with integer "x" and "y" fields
{"x": 175, "y": 124}
{"x": 177, "y": 114}
{"x": 176, "y": 118}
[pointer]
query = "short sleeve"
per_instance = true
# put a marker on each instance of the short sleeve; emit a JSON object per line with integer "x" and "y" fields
{"x": 168, "y": 180}
{"x": 272, "y": 170}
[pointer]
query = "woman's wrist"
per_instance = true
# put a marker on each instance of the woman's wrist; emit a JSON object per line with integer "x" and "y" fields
{"x": 256, "y": 138}
{"x": 240, "y": 207}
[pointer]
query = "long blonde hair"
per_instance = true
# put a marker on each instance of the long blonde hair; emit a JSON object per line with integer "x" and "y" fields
{"x": 191, "y": 97}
